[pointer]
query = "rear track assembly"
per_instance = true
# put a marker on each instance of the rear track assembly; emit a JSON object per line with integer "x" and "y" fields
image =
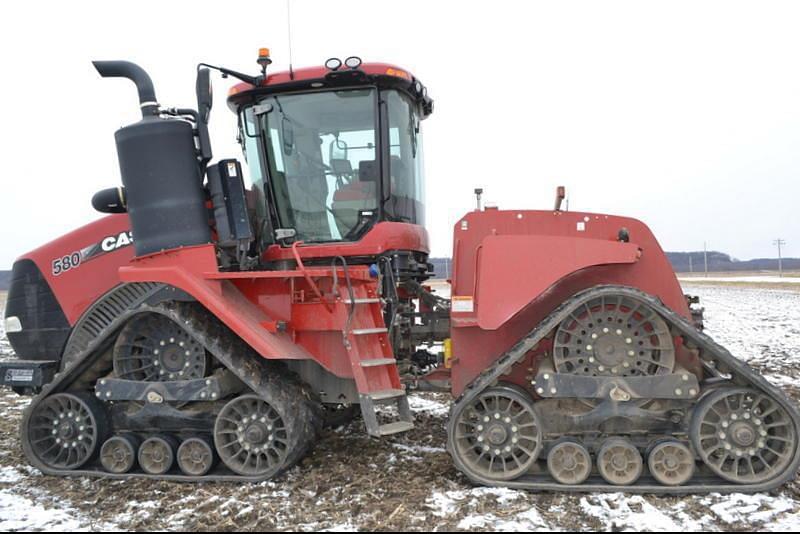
{"x": 734, "y": 432}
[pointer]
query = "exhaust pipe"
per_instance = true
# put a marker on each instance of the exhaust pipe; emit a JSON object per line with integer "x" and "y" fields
{"x": 136, "y": 74}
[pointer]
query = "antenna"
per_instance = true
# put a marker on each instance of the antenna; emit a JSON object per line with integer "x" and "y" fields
{"x": 289, "y": 32}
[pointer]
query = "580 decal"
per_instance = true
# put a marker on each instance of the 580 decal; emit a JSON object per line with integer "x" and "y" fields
{"x": 64, "y": 264}
{"x": 75, "y": 259}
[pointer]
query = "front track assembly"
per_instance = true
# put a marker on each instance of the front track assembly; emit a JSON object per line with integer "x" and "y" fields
{"x": 611, "y": 409}
{"x": 166, "y": 391}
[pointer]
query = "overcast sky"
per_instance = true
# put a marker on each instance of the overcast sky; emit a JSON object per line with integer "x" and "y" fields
{"x": 686, "y": 115}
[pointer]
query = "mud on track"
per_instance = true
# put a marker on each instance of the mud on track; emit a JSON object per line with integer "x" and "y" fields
{"x": 353, "y": 482}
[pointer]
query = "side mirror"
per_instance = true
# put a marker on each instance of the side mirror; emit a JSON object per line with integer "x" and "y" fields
{"x": 205, "y": 94}
{"x": 337, "y": 150}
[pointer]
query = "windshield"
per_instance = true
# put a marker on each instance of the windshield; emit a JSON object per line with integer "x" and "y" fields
{"x": 321, "y": 157}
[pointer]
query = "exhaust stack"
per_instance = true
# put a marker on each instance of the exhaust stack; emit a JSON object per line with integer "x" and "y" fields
{"x": 136, "y": 74}
{"x": 160, "y": 170}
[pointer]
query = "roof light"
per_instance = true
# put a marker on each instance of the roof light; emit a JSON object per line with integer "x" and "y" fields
{"x": 333, "y": 63}
{"x": 264, "y": 60}
{"x": 353, "y": 62}
{"x": 399, "y": 73}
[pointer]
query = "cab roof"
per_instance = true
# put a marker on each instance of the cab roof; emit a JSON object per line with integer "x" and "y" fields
{"x": 381, "y": 74}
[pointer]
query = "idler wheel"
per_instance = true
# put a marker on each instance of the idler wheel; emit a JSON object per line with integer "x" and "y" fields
{"x": 569, "y": 463}
{"x": 671, "y": 463}
{"x": 195, "y": 457}
{"x": 619, "y": 462}
{"x": 118, "y": 454}
{"x": 156, "y": 455}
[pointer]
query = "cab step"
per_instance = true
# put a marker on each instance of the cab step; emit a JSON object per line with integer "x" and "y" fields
{"x": 386, "y": 394}
{"x": 362, "y": 301}
{"x": 368, "y": 331}
{"x": 377, "y": 362}
{"x": 395, "y": 428}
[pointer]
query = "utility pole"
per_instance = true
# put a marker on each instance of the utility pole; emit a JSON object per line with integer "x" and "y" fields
{"x": 779, "y": 243}
{"x": 705, "y": 257}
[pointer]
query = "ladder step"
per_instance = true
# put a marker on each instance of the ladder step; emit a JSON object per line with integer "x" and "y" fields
{"x": 362, "y": 301}
{"x": 395, "y": 428}
{"x": 386, "y": 394}
{"x": 377, "y": 362}
{"x": 366, "y": 331}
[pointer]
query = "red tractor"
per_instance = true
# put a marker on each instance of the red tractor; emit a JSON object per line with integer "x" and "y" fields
{"x": 212, "y": 323}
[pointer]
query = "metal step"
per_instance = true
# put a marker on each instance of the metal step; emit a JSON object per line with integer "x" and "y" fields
{"x": 395, "y": 428}
{"x": 377, "y": 362}
{"x": 367, "y": 331}
{"x": 386, "y": 394}
{"x": 362, "y": 301}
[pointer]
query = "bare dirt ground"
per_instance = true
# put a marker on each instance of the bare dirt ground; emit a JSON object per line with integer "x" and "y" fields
{"x": 353, "y": 482}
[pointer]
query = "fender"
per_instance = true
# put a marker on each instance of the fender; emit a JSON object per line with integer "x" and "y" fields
{"x": 189, "y": 269}
{"x": 506, "y": 263}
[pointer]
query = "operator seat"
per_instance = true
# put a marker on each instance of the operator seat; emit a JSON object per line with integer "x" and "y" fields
{"x": 358, "y": 195}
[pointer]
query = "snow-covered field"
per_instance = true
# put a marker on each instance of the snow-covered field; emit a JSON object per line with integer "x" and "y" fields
{"x": 354, "y": 482}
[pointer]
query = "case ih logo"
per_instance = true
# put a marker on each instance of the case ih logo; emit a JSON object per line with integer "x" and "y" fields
{"x": 112, "y": 243}
{"x": 107, "y": 244}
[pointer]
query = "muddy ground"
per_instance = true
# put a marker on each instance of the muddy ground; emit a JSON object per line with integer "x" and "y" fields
{"x": 353, "y": 482}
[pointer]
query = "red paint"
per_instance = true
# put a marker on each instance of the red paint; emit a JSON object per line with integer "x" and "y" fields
{"x": 310, "y": 73}
{"x": 551, "y": 258}
{"x": 79, "y": 288}
{"x": 383, "y": 237}
{"x": 253, "y": 303}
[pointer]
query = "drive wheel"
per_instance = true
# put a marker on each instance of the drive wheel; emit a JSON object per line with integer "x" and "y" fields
{"x": 619, "y": 462}
{"x": 153, "y": 348}
{"x": 671, "y": 463}
{"x": 118, "y": 454}
{"x": 195, "y": 457}
{"x": 614, "y": 336}
{"x": 65, "y": 430}
{"x": 569, "y": 463}
{"x": 498, "y": 436}
{"x": 743, "y": 436}
{"x": 251, "y": 437}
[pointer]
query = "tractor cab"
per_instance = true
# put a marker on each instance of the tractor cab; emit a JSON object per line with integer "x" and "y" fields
{"x": 332, "y": 151}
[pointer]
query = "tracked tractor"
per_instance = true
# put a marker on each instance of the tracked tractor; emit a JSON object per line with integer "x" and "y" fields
{"x": 214, "y": 320}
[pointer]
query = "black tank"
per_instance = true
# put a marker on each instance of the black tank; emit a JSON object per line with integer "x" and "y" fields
{"x": 163, "y": 186}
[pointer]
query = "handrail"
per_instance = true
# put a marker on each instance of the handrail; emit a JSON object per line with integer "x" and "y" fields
{"x": 311, "y": 282}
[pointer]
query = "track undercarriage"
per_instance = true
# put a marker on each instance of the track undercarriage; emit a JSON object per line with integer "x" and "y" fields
{"x": 165, "y": 391}
{"x": 616, "y": 407}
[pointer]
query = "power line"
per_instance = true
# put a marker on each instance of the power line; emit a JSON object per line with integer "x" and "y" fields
{"x": 779, "y": 243}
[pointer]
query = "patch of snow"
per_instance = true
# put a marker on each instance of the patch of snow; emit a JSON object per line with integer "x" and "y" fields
{"x": 419, "y": 449}
{"x": 635, "y": 513}
{"x": 18, "y": 512}
{"x": 424, "y": 404}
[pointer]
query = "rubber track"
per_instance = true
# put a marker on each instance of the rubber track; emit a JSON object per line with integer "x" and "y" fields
{"x": 712, "y": 354}
{"x": 270, "y": 380}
